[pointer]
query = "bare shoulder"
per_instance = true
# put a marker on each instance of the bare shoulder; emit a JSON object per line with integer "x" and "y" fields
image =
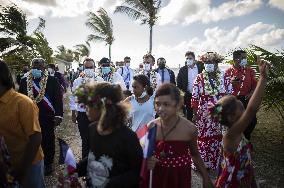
{"x": 188, "y": 126}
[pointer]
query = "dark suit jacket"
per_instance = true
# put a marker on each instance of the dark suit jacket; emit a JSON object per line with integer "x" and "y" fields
{"x": 172, "y": 75}
{"x": 182, "y": 77}
{"x": 53, "y": 92}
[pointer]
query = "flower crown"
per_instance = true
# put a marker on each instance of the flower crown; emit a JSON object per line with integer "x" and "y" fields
{"x": 215, "y": 111}
{"x": 211, "y": 56}
{"x": 88, "y": 97}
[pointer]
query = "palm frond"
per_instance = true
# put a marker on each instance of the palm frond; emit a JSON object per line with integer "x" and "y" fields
{"x": 95, "y": 38}
{"x": 132, "y": 13}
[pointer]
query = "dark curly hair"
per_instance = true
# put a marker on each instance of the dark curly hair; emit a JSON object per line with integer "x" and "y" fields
{"x": 108, "y": 96}
{"x": 145, "y": 82}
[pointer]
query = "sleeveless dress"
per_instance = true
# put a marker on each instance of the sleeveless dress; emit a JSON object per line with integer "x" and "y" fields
{"x": 236, "y": 168}
{"x": 141, "y": 114}
{"x": 173, "y": 168}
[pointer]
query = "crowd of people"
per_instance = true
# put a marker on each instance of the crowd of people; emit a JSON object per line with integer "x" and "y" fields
{"x": 134, "y": 121}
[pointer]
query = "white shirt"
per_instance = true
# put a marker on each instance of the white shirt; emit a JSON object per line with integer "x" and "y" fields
{"x": 158, "y": 78}
{"x": 192, "y": 73}
{"x": 78, "y": 82}
{"x": 127, "y": 75}
{"x": 141, "y": 114}
{"x": 116, "y": 79}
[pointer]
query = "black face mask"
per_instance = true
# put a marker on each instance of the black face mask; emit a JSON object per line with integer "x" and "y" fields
{"x": 162, "y": 66}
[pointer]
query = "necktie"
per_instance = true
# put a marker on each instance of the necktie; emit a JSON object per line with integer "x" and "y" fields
{"x": 163, "y": 72}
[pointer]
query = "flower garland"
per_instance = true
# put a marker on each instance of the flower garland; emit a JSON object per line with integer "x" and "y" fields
{"x": 42, "y": 85}
{"x": 242, "y": 79}
{"x": 153, "y": 79}
{"x": 212, "y": 91}
{"x": 109, "y": 75}
{"x": 211, "y": 57}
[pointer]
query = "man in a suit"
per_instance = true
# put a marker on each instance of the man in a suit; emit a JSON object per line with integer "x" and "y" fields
{"x": 44, "y": 90}
{"x": 167, "y": 75}
{"x": 185, "y": 80}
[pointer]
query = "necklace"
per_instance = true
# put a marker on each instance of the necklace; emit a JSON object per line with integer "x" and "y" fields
{"x": 216, "y": 83}
{"x": 163, "y": 154}
{"x": 42, "y": 85}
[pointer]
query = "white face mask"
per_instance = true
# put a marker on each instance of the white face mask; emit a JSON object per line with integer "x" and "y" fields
{"x": 209, "y": 67}
{"x": 147, "y": 67}
{"x": 143, "y": 95}
{"x": 189, "y": 62}
{"x": 243, "y": 62}
{"x": 89, "y": 73}
{"x": 51, "y": 71}
{"x": 127, "y": 64}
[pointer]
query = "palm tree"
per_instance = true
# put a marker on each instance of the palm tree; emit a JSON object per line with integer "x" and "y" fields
{"x": 81, "y": 50}
{"x": 17, "y": 48}
{"x": 64, "y": 53}
{"x": 144, "y": 10}
{"x": 101, "y": 24}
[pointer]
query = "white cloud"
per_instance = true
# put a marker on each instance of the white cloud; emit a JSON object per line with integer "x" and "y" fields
{"x": 63, "y": 8}
{"x": 189, "y": 11}
{"x": 223, "y": 41}
{"x": 277, "y": 4}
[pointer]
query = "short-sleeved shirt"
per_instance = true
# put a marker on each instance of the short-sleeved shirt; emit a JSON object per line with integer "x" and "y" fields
{"x": 19, "y": 120}
{"x": 246, "y": 75}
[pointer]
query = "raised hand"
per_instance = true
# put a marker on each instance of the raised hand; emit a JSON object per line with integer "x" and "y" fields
{"x": 263, "y": 67}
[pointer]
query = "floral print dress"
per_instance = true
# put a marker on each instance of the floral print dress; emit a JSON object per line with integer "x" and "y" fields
{"x": 236, "y": 168}
{"x": 209, "y": 131}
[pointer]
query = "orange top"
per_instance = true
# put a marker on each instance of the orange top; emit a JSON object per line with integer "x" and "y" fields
{"x": 18, "y": 121}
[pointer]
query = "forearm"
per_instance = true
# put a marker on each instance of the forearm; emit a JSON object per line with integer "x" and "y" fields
{"x": 256, "y": 98}
{"x": 200, "y": 166}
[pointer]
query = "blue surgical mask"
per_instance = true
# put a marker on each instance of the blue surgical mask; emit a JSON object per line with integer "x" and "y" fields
{"x": 36, "y": 73}
{"x": 106, "y": 70}
{"x": 209, "y": 67}
{"x": 243, "y": 62}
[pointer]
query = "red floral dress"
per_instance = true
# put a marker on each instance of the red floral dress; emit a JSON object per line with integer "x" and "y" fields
{"x": 173, "y": 168}
{"x": 209, "y": 131}
{"x": 236, "y": 168}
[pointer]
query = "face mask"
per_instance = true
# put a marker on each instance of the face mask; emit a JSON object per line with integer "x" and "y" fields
{"x": 209, "y": 67}
{"x": 80, "y": 68}
{"x": 147, "y": 67}
{"x": 143, "y": 95}
{"x": 50, "y": 70}
{"x": 89, "y": 73}
{"x": 189, "y": 62}
{"x": 127, "y": 64}
{"x": 243, "y": 62}
{"x": 105, "y": 70}
{"x": 36, "y": 73}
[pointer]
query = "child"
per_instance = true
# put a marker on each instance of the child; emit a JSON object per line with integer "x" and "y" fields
{"x": 236, "y": 168}
{"x": 176, "y": 143}
{"x": 115, "y": 154}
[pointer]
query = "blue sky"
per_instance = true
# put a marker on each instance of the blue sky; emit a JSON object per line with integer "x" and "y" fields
{"x": 199, "y": 26}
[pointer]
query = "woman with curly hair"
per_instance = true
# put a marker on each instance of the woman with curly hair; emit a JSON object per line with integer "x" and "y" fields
{"x": 115, "y": 154}
{"x": 208, "y": 88}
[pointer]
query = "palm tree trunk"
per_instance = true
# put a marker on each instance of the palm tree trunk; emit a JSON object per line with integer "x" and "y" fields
{"x": 109, "y": 51}
{"x": 151, "y": 36}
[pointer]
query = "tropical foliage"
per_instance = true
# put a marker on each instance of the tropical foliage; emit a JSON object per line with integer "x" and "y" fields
{"x": 101, "y": 24}
{"x": 144, "y": 10}
{"x": 64, "y": 54}
{"x": 81, "y": 51}
{"x": 274, "y": 96}
{"x": 17, "y": 48}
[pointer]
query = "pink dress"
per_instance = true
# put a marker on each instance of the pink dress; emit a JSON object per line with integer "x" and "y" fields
{"x": 209, "y": 131}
